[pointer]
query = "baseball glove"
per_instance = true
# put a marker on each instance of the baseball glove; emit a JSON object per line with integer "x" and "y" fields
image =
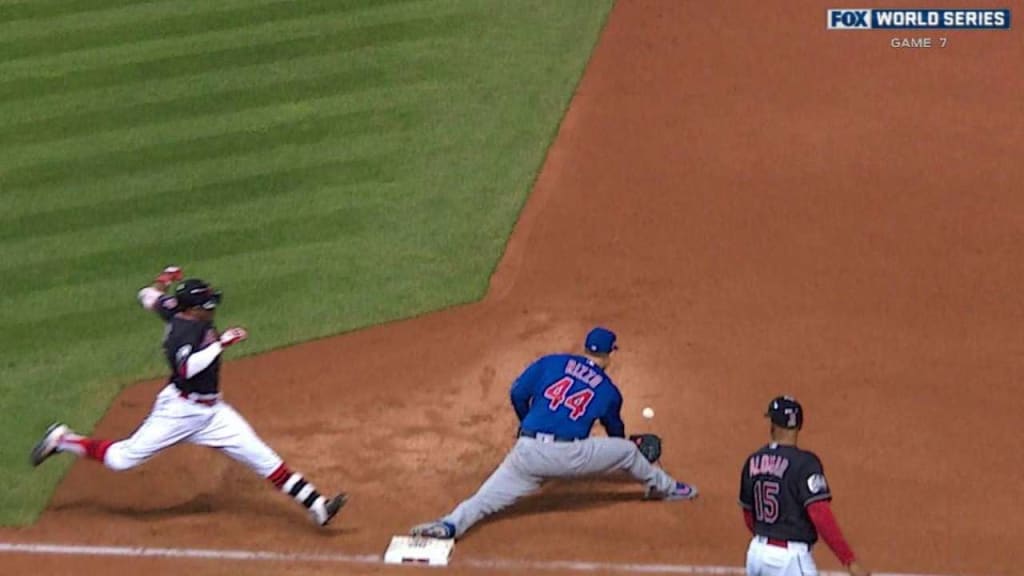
{"x": 649, "y": 445}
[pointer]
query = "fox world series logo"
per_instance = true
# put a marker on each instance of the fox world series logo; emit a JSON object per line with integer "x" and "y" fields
{"x": 922, "y": 19}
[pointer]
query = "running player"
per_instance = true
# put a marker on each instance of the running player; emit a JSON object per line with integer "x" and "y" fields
{"x": 190, "y": 407}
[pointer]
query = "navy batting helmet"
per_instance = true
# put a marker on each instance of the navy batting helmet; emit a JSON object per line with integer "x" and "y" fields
{"x": 193, "y": 293}
{"x": 786, "y": 412}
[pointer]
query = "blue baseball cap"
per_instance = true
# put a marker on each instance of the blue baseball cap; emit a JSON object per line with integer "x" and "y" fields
{"x": 601, "y": 341}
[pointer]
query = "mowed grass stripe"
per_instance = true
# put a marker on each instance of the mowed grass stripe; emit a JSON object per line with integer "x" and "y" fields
{"x": 322, "y": 91}
{"x": 276, "y": 51}
{"x": 355, "y": 184}
{"x": 197, "y": 122}
{"x": 310, "y": 258}
{"x": 304, "y": 269}
{"x": 109, "y": 319}
{"x": 304, "y": 130}
{"x": 287, "y": 229}
{"x": 49, "y": 9}
{"x": 218, "y": 85}
{"x": 92, "y": 57}
{"x": 84, "y": 192}
{"x": 102, "y": 307}
{"x": 175, "y": 21}
{"x": 42, "y": 112}
{"x": 374, "y": 162}
{"x": 109, "y": 15}
{"x": 226, "y": 241}
{"x": 73, "y": 220}
{"x": 73, "y": 303}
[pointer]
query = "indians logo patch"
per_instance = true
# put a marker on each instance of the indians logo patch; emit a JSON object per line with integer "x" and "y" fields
{"x": 816, "y": 483}
{"x": 182, "y": 354}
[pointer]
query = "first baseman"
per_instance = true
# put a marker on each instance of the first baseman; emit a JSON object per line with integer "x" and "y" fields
{"x": 557, "y": 400}
{"x": 190, "y": 407}
{"x": 785, "y": 501}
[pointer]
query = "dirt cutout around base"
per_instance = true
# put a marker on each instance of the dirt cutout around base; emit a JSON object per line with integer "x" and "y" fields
{"x": 758, "y": 206}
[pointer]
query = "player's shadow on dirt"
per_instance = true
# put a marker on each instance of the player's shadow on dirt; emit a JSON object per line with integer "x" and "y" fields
{"x": 201, "y": 504}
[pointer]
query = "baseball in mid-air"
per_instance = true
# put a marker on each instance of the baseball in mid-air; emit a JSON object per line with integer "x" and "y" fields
{"x": 648, "y": 412}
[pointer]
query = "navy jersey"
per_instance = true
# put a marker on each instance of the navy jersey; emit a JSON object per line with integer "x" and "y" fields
{"x": 183, "y": 338}
{"x": 777, "y": 484}
{"x": 563, "y": 394}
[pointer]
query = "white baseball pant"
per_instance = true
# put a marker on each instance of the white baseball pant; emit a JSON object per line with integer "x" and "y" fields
{"x": 764, "y": 559}
{"x": 175, "y": 419}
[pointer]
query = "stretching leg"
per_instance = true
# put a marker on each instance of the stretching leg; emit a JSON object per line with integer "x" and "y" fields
{"x": 229, "y": 432}
{"x": 165, "y": 426}
{"x": 603, "y": 455}
{"x": 508, "y": 483}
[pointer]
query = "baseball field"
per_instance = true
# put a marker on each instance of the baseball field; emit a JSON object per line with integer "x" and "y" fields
{"x": 406, "y": 201}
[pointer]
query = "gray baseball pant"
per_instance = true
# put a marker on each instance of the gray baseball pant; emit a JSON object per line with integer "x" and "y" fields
{"x": 532, "y": 461}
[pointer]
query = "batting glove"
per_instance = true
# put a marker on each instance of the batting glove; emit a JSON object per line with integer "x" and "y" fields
{"x": 169, "y": 275}
{"x": 233, "y": 336}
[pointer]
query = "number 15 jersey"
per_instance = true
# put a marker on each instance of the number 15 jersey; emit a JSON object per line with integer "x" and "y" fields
{"x": 777, "y": 485}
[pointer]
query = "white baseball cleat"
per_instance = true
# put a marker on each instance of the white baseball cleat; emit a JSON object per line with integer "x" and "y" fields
{"x": 47, "y": 446}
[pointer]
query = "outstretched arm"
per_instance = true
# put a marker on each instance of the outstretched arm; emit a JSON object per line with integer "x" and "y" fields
{"x": 150, "y": 296}
{"x": 192, "y": 361}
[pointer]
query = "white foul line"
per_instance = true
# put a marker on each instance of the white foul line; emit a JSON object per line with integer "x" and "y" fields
{"x": 309, "y": 557}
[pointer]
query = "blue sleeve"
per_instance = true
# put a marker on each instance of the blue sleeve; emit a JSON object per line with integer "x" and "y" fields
{"x": 612, "y": 419}
{"x": 523, "y": 389}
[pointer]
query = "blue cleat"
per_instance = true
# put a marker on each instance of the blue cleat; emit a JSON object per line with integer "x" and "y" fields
{"x": 682, "y": 491}
{"x": 440, "y": 530}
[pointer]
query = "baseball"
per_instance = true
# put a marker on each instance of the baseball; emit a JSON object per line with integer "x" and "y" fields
{"x": 648, "y": 412}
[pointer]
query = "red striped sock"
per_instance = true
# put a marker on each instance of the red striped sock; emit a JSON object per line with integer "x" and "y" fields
{"x": 87, "y": 447}
{"x": 280, "y": 476}
{"x": 294, "y": 485}
{"x": 97, "y": 449}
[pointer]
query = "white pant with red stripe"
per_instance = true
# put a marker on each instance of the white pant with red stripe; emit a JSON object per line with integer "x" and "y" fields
{"x": 764, "y": 559}
{"x": 206, "y": 422}
{"x": 175, "y": 419}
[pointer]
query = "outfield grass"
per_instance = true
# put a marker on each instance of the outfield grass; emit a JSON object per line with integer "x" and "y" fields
{"x": 331, "y": 164}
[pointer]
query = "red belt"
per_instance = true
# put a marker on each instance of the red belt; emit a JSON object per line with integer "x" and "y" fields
{"x": 776, "y": 542}
{"x": 201, "y": 401}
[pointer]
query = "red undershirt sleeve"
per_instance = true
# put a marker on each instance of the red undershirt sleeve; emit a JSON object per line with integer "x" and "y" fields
{"x": 827, "y": 527}
{"x": 748, "y": 519}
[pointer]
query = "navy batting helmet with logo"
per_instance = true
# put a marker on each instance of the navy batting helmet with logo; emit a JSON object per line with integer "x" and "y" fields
{"x": 193, "y": 293}
{"x": 786, "y": 412}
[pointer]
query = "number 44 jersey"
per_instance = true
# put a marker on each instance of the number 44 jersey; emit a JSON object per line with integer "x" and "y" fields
{"x": 563, "y": 395}
{"x": 778, "y": 483}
